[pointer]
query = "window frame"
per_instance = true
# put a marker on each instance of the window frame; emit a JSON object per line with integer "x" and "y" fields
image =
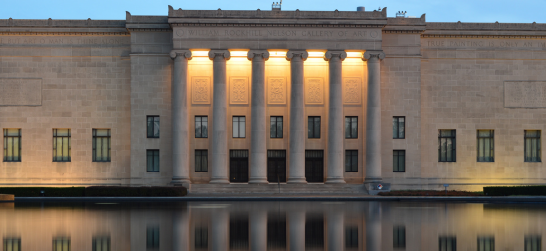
{"x": 398, "y": 155}
{"x": 538, "y": 144}
{"x": 482, "y": 241}
{"x": 151, "y": 241}
{"x": 351, "y": 237}
{"x": 94, "y": 144}
{"x": 491, "y": 146}
{"x": 56, "y": 147}
{"x": 352, "y": 153}
{"x": 351, "y": 124}
{"x": 238, "y": 127}
{"x": 397, "y": 130}
{"x": 15, "y": 244}
{"x": 276, "y": 122}
{"x": 98, "y": 240}
{"x": 6, "y": 138}
{"x": 201, "y": 126}
{"x": 312, "y": 127}
{"x": 397, "y": 231}
{"x": 453, "y": 138}
{"x": 154, "y": 156}
{"x": 207, "y": 159}
{"x": 148, "y": 131}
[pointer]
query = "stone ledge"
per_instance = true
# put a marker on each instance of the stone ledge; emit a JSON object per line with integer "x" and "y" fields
{"x": 7, "y": 197}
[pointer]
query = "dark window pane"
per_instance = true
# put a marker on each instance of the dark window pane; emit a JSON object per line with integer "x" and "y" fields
{"x": 152, "y": 238}
{"x": 446, "y": 146}
{"x": 351, "y": 237}
{"x": 399, "y": 237}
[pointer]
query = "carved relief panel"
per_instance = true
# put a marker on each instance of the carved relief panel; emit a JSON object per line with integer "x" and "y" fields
{"x": 201, "y": 92}
{"x": 20, "y": 91}
{"x": 276, "y": 91}
{"x": 314, "y": 91}
{"x": 238, "y": 91}
{"x": 352, "y": 91}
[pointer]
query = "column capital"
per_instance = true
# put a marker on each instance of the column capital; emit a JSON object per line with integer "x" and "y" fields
{"x": 297, "y": 53}
{"x": 330, "y": 54}
{"x": 379, "y": 55}
{"x": 181, "y": 53}
{"x": 222, "y": 53}
{"x": 253, "y": 53}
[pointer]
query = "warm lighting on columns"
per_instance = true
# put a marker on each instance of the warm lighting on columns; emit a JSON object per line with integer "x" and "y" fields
{"x": 316, "y": 54}
{"x": 200, "y": 53}
{"x": 277, "y": 53}
{"x": 355, "y": 54}
{"x": 239, "y": 53}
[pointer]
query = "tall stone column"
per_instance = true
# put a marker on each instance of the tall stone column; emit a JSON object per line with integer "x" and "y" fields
{"x": 373, "y": 226}
{"x": 335, "y": 229}
{"x": 373, "y": 117}
{"x": 220, "y": 230}
{"x": 296, "y": 221}
{"x": 258, "y": 152}
{"x": 258, "y": 230}
{"x": 179, "y": 110}
{"x": 219, "y": 120}
{"x": 297, "y": 117}
{"x": 181, "y": 230}
{"x": 335, "y": 118}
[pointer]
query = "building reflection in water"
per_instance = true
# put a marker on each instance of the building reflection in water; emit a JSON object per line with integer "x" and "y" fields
{"x": 272, "y": 226}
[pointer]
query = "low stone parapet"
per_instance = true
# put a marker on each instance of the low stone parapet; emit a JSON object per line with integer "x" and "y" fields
{"x": 7, "y": 197}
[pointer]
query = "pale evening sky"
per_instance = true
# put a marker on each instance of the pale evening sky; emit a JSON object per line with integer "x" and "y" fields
{"x": 523, "y": 11}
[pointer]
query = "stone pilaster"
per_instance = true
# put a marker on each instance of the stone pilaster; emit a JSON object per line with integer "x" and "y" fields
{"x": 220, "y": 230}
{"x": 219, "y": 120}
{"x": 373, "y": 116}
{"x": 335, "y": 118}
{"x": 179, "y": 110}
{"x": 258, "y": 230}
{"x": 335, "y": 230}
{"x": 181, "y": 230}
{"x": 258, "y": 151}
{"x": 373, "y": 226}
{"x": 297, "y": 118}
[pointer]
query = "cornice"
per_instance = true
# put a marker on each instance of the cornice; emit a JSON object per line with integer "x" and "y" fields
{"x": 11, "y": 33}
{"x": 150, "y": 29}
{"x": 484, "y": 36}
{"x": 403, "y": 31}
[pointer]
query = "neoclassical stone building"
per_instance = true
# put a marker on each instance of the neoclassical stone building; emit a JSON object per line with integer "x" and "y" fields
{"x": 239, "y": 99}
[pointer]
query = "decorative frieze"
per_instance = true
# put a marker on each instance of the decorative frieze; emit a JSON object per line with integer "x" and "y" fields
{"x": 238, "y": 94}
{"x": 314, "y": 91}
{"x": 352, "y": 91}
{"x": 200, "y": 90}
{"x": 276, "y": 91}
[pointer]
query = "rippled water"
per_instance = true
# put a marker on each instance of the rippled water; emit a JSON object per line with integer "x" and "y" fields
{"x": 272, "y": 226}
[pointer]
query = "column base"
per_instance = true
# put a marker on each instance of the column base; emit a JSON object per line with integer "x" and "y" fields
{"x": 372, "y": 180}
{"x": 258, "y": 181}
{"x": 219, "y": 181}
{"x": 335, "y": 181}
{"x": 181, "y": 181}
{"x": 301, "y": 180}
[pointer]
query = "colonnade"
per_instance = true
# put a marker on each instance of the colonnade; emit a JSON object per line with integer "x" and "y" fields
{"x": 258, "y": 151}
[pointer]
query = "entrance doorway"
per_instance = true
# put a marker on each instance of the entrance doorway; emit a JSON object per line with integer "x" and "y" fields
{"x": 276, "y": 166}
{"x": 238, "y": 166}
{"x": 314, "y": 165}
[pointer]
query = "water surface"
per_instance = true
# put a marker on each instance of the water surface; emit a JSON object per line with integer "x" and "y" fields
{"x": 278, "y": 226}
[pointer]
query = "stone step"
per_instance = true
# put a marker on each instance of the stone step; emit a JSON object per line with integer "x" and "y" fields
{"x": 242, "y": 188}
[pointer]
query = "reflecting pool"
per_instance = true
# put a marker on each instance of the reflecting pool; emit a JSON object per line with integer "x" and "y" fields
{"x": 277, "y": 226}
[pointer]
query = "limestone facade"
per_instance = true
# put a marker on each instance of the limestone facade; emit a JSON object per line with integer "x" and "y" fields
{"x": 111, "y": 74}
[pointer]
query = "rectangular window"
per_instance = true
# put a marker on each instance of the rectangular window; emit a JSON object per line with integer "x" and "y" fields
{"x": 533, "y": 243}
{"x": 152, "y": 238}
{"x": 201, "y": 126}
{"x": 153, "y": 126}
{"x": 61, "y": 244}
{"x": 351, "y": 127}
{"x": 399, "y": 237}
{"x": 446, "y": 146}
{"x": 201, "y": 160}
{"x": 61, "y": 145}
{"x": 351, "y": 237}
{"x": 101, "y": 145}
{"x": 351, "y": 160}
{"x": 201, "y": 238}
{"x": 486, "y": 146}
{"x": 313, "y": 127}
{"x": 101, "y": 243}
{"x": 532, "y": 146}
{"x": 276, "y": 127}
{"x": 399, "y": 160}
{"x": 398, "y": 127}
{"x": 239, "y": 130}
{"x": 486, "y": 243}
{"x": 12, "y": 244}
{"x": 12, "y": 145}
{"x": 152, "y": 160}
{"x": 447, "y": 243}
